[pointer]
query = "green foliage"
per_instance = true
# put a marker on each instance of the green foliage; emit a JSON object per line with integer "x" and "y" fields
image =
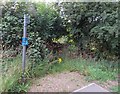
{"x": 45, "y": 25}
{"x": 107, "y": 31}
{"x": 115, "y": 89}
{"x": 81, "y": 22}
{"x": 93, "y": 21}
{"x": 37, "y": 51}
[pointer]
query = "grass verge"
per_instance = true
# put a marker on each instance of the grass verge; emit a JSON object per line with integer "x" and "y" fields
{"x": 93, "y": 70}
{"x": 11, "y": 71}
{"x": 89, "y": 68}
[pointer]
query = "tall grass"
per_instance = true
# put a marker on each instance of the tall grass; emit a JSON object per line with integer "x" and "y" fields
{"x": 91, "y": 69}
{"x": 11, "y": 70}
{"x": 116, "y": 89}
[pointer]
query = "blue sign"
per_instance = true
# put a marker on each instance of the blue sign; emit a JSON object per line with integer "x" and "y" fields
{"x": 24, "y": 41}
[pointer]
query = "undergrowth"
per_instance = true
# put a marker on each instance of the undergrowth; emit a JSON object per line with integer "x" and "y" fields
{"x": 92, "y": 70}
{"x": 11, "y": 71}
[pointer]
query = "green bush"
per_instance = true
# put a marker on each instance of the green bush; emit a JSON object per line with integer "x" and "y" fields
{"x": 37, "y": 51}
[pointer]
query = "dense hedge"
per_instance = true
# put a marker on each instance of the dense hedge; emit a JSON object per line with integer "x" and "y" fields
{"x": 45, "y": 24}
{"x": 87, "y": 26}
{"x": 93, "y": 23}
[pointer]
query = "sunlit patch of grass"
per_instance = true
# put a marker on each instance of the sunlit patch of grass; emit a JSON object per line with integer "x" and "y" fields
{"x": 99, "y": 74}
{"x": 89, "y": 68}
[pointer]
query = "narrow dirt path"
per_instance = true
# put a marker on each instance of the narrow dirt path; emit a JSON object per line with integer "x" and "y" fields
{"x": 63, "y": 82}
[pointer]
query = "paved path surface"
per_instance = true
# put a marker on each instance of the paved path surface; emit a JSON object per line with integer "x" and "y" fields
{"x": 91, "y": 88}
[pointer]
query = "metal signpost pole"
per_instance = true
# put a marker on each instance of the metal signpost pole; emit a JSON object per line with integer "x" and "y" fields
{"x": 24, "y": 44}
{"x": 24, "y": 47}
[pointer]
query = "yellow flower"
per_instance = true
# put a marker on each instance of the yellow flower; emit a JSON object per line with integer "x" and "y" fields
{"x": 59, "y": 60}
{"x": 93, "y": 48}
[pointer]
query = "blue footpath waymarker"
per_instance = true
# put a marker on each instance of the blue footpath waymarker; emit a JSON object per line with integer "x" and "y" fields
{"x": 24, "y": 41}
